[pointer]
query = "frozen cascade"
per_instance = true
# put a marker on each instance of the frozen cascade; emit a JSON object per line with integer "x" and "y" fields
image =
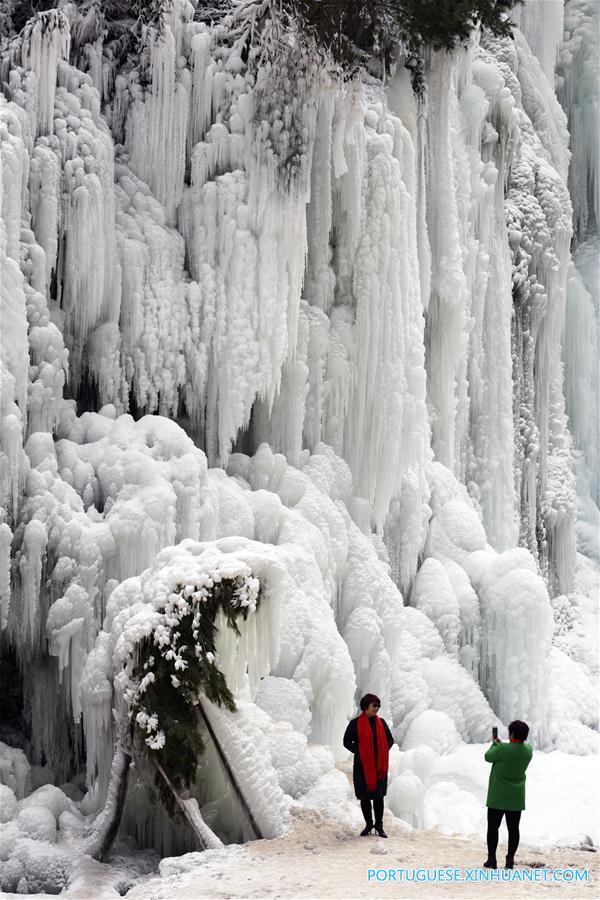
{"x": 490, "y": 460}
{"x": 541, "y": 24}
{"x": 46, "y": 40}
{"x": 359, "y": 304}
{"x": 577, "y": 80}
{"x": 538, "y": 217}
{"x": 577, "y": 88}
{"x": 448, "y": 307}
{"x": 581, "y": 355}
{"x": 468, "y": 370}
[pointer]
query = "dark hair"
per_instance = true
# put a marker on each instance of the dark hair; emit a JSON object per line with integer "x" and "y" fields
{"x": 519, "y": 730}
{"x": 368, "y": 699}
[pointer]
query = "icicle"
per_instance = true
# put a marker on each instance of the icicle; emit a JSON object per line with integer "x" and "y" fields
{"x": 6, "y": 537}
{"x": 201, "y": 111}
{"x": 14, "y": 170}
{"x": 577, "y": 88}
{"x": 46, "y": 40}
{"x": 516, "y": 635}
{"x": 30, "y": 567}
{"x": 448, "y": 309}
{"x": 319, "y": 280}
{"x": 433, "y": 594}
{"x": 14, "y": 349}
{"x": 156, "y": 128}
{"x": 542, "y": 25}
{"x": 487, "y": 453}
{"x": 44, "y": 187}
{"x": 580, "y": 354}
{"x": 13, "y": 331}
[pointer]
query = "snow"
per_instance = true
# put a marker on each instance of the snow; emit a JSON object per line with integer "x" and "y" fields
{"x": 243, "y": 738}
{"x": 453, "y": 790}
{"x": 37, "y": 822}
{"x": 432, "y": 729}
{"x": 15, "y": 770}
{"x": 8, "y": 803}
{"x": 542, "y": 26}
{"x": 262, "y": 322}
{"x": 576, "y": 88}
{"x": 432, "y": 593}
{"x": 320, "y": 856}
{"x": 581, "y": 389}
{"x": 284, "y": 701}
{"x": 46, "y": 40}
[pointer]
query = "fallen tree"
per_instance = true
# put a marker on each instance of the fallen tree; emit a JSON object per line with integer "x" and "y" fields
{"x": 168, "y": 669}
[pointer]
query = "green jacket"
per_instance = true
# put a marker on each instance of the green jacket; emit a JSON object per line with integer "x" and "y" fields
{"x": 506, "y": 789}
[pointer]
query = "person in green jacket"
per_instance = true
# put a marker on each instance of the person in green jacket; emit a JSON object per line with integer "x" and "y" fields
{"x": 506, "y": 789}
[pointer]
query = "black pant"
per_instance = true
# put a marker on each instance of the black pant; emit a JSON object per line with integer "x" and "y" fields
{"x": 494, "y": 818}
{"x": 365, "y": 805}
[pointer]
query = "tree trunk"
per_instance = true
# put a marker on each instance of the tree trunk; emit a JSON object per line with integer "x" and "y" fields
{"x": 206, "y": 838}
{"x": 232, "y": 778}
{"x": 107, "y": 823}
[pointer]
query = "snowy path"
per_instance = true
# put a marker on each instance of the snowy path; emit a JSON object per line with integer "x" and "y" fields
{"x": 322, "y": 859}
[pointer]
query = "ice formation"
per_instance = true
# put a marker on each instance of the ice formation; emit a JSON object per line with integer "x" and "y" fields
{"x": 327, "y": 331}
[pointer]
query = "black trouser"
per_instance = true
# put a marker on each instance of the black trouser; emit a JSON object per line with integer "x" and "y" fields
{"x": 365, "y": 805}
{"x": 494, "y": 818}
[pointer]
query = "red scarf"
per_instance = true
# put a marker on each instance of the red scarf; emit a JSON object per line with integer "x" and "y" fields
{"x": 366, "y": 751}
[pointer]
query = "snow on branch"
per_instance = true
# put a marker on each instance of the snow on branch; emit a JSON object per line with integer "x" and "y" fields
{"x": 172, "y": 660}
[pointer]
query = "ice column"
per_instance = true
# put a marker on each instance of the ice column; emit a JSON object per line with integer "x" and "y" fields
{"x": 46, "y": 40}
{"x": 156, "y": 130}
{"x": 446, "y": 334}
{"x": 577, "y": 88}
{"x": 516, "y": 635}
{"x": 542, "y": 24}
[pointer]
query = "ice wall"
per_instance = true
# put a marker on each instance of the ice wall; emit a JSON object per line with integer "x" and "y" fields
{"x": 472, "y": 131}
{"x": 577, "y": 80}
{"x": 581, "y": 357}
{"x": 358, "y": 305}
{"x": 299, "y": 316}
{"x": 577, "y": 88}
{"x": 538, "y": 213}
{"x": 541, "y": 23}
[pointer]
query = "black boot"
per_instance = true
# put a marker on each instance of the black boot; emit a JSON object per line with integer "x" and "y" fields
{"x": 367, "y": 830}
{"x": 379, "y": 829}
{"x": 510, "y": 862}
{"x": 490, "y": 863}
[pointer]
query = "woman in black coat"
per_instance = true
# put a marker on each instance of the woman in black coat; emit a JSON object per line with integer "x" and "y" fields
{"x": 370, "y": 739}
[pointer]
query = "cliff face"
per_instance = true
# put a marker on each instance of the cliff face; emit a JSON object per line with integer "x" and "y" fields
{"x": 214, "y": 228}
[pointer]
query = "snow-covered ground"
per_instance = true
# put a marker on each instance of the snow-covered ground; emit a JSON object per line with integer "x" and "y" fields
{"x": 563, "y": 797}
{"x": 339, "y": 338}
{"x": 322, "y": 857}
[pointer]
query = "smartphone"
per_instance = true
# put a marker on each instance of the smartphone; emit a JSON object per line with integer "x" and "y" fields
{"x": 495, "y": 733}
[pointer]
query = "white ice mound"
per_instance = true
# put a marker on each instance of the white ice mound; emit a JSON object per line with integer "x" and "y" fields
{"x": 32, "y": 861}
{"x": 434, "y": 729}
{"x": 285, "y": 701}
{"x": 51, "y": 798}
{"x": 15, "y": 771}
{"x": 8, "y": 803}
{"x": 517, "y": 632}
{"x": 37, "y": 822}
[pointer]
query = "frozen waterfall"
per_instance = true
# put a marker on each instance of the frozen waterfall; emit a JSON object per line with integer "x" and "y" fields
{"x": 333, "y": 330}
